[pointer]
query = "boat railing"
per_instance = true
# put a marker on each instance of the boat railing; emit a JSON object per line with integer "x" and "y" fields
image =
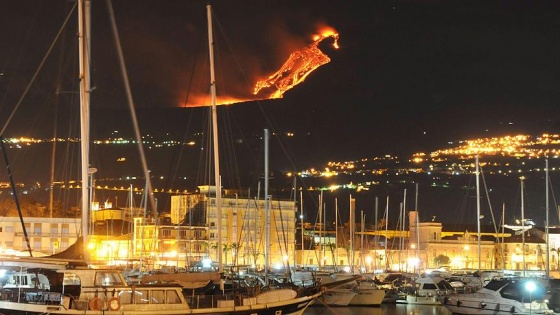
{"x": 25, "y": 295}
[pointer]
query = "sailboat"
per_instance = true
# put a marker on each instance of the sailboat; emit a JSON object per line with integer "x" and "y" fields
{"x": 75, "y": 288}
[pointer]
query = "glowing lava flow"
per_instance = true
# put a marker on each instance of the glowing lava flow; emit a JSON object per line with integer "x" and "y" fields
{"x": 298, "y": 66}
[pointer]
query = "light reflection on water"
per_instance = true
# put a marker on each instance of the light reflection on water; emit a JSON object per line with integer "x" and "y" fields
{"x": 384, "y": 309}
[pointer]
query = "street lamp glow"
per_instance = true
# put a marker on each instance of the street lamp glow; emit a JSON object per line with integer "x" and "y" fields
{"x": 530, "y": 286}
{"x": 207, "y": 263}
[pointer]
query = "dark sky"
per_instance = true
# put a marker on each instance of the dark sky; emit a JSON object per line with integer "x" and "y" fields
{"x": 409, "y": 76}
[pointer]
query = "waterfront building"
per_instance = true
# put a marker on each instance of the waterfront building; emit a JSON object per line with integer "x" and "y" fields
{"x": 46, "y": 235}
{"x": 187, "y": 238}
{"x": 243, "y": 228}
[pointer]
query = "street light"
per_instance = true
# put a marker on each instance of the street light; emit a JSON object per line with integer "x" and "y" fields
{"x": 530, "y": 286}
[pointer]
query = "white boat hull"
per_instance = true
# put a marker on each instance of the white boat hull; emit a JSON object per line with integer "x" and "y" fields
{"x": 420, "y": 300}
{"x": 480, "y": 304}
{"x": 368, "y": 296}
{"x": 338, "y": 297}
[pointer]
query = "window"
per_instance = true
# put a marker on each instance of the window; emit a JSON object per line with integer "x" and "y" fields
{"x": 107, "y": 279}
{"x": 54, "y": 229}
{"x": 65, "y": 229}
{"x": 37, "y": 243}
{"x": 141, "y": 297}
{"x": 173, "y": 297}
{"x": 37, "y": 228}
{"x": 430, "y": 286}
{"x": 158, "y": 296}
{"x": 125, "y": 297}
{"x": 21, "y": 280}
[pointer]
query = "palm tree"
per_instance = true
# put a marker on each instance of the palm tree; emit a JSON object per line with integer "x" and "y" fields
{"x": 225, "y": 249}
{"x": 214, "y": 246}
{"x": 234, "y": 248}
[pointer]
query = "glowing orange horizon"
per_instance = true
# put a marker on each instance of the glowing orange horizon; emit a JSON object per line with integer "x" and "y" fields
{"x": 204, "y": 100}
{"x": 298, "y": 66}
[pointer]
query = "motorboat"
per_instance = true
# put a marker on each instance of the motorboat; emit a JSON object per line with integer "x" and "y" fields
{"x": 507, "y": 296}
{"x": 426, "y": 291}
{"x": 367, "y": 294}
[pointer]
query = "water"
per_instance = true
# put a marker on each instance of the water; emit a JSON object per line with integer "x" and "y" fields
{"x": 384, "y": 309}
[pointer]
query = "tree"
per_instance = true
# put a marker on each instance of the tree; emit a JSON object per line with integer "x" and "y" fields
{"x": 442, "y": 260}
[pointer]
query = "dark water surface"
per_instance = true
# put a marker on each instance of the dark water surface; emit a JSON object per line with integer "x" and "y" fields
{"x": 385, "y": 309}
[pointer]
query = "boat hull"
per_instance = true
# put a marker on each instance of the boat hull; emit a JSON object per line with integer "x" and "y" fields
{"x": 368, "y": 297}
{"x": 419, "y": 300}
{"x": 337, "y": 297}
{"x": 481, "y": 305}
{"x": 293, "y": 307}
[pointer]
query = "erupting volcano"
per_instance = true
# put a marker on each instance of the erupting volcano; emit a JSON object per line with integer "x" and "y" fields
{"x": 298, "y": 66}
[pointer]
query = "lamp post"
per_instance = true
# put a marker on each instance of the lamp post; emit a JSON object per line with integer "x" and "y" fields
{"x": 530, "y": 286}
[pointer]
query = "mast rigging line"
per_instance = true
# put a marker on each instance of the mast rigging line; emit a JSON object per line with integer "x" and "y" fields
{"x": 41, "y": 64}
{"x": 130, "y": 102}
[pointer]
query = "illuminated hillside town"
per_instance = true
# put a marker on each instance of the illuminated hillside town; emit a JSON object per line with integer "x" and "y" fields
{"x": 507, "y": 156}
{"x": 185, "y": 236}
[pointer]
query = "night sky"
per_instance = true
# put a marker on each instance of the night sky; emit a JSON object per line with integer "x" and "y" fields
{"x": 416, "y": 73}
{"x": 409, "y": 75}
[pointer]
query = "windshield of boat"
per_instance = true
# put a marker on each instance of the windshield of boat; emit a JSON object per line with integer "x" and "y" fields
{"x": 108, "y": 278}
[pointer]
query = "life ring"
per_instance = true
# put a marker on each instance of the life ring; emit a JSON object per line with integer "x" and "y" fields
{"x": 114, "y": 304}
{"x": 95, "y": 304}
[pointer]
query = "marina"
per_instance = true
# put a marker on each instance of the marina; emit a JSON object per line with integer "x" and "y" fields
{"x": 222, "y": 247}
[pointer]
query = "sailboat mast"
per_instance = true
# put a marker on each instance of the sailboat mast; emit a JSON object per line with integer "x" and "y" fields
{"x": 547, "y": 267}
{"x": 85, "y": 86}
{"x": 386, "y": 232}
{"x": 266, "y": 210}
{"x": 352, "y": 231}
{"x": 335, "y": 231}
{"x": 301, "y": 220}
{"x": 217, "y": 178}
{"x": 523, "y": 224}
{"x": 478, "y": 209}
{"x": 376, "y": 238}
{"x": 417, "y": 228}
{"x": 362, "y": 229}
